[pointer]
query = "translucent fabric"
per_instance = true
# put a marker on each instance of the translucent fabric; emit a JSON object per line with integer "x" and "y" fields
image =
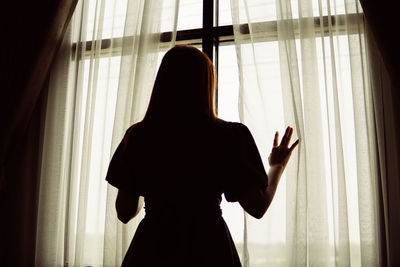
{"x": 325, "y": 209}
{"x": 99, "y": 86}
{"x": 300, "y": 63}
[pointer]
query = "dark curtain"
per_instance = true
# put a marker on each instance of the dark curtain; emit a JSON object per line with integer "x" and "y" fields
{"x": 32, "y": 31}
{"x": 384, "y": 59}
{"x": 19, "y": 196}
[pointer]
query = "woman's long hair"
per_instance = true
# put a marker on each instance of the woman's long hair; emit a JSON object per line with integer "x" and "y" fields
{"x": 184, "y": 87}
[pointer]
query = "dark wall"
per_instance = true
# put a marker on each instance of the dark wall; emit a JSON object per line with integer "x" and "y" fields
{"x": 382, "y": 19}
{"x": 26, "y": 27}
{"x": 18, "y": 204}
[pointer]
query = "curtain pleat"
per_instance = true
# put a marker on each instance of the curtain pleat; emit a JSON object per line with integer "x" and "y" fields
{"x": 32, "y": 34}
{"x": 329, "y": 190}
{"x": 99, "y": 86}
{"x": 385, "y": 117}
{"x": 25, "y": 69}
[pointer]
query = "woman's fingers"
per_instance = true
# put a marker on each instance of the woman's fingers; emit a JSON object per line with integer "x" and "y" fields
{"x": 289, "y": 135}
{"x": 286, "y": 137}
{"x": 283, "y": 141}
{"x": 276, "y": 139}
{"x": 293, "y": 146}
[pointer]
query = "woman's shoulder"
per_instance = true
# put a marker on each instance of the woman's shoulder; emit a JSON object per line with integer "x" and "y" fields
{"x": 133, "y": 130}
{"x": 234, "y": 133}
{"x": 216, "y": 123}
{"x": 229, "y": 125}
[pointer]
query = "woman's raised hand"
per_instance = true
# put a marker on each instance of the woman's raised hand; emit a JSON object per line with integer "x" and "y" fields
{"x": 280, "y": 154}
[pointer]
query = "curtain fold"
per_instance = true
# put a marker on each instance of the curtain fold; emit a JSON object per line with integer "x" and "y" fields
{"x": 384, "y": 58}
{"x": 386, "y": 115}
{"x": 32, "y": 33}
{"x": 18, "y": 200}
{"x": 329, "y": 190}
{"x": 99, "y": 86}
{"x": 380, "y": 19}
{"x": 25, "y": 69}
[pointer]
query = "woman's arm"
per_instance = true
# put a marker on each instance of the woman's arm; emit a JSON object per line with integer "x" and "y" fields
{"x": 127, "y": 205}
{"x": 256, "y": 201}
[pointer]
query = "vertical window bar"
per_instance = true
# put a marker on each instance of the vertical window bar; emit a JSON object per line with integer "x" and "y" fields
{"x": 216, "y": 58}
{"x": 208, "y": 19}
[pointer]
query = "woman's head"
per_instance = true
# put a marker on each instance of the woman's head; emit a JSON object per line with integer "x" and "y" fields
{"x": 184, "y": 86}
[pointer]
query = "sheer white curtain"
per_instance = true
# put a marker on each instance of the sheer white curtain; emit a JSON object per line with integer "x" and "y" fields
{"x": 325, "y": 210}
{"x": 99, "y": 86}
{"x": 302, "y": 63}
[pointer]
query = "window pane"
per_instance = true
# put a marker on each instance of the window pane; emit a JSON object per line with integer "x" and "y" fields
{"x": 228, "y": 84}
{"x": 224, "y": 12}
{"x": 271, "y": 228}
{"x": 190, "y": 15}
{"x": 228, "y": 92}
{"x": 102, "y": 84}
{"x": 260, "y": 10}
{"x": 111, "y": 23}
{"x": 269, "y": 233}
{"x": 266, "y": 10}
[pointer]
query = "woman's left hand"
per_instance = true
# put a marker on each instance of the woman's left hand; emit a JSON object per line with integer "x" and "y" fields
{"x": 280, "y": 154}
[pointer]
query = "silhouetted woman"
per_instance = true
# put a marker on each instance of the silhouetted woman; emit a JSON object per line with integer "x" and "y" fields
{"x": 181, "y": 158}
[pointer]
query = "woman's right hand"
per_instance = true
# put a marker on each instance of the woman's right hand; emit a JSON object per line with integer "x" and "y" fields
{"x": 256, "y": 201}
{"x": 281, "y": 153}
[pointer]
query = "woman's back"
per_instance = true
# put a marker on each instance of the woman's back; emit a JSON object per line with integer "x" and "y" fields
{"x": 194, "y": 161}
{"x": 182, "y": 171}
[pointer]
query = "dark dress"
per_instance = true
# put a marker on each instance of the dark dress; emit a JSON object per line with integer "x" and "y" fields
{"x": 182, "y": 173}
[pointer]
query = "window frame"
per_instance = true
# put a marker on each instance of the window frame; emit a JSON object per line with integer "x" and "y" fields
{"x": 211, "y": 35}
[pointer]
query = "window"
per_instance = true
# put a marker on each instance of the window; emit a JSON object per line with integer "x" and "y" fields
{"x": 208, "y": 25}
